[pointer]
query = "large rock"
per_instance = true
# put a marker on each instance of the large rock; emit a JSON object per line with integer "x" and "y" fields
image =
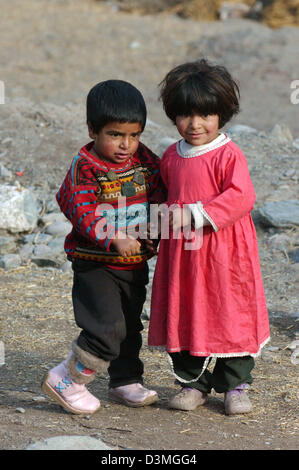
{"x": 280, "y": 213}
{"x": 18, "y": 209}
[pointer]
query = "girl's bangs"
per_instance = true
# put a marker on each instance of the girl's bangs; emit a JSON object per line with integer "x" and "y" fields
{"x": 196, "y": 99}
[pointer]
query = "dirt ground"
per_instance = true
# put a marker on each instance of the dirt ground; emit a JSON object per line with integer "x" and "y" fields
{"x": 38, "y": 331}
{"x": 42, "y": 62}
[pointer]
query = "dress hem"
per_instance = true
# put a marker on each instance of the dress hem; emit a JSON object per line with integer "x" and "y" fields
{"x": 210, "y": 355}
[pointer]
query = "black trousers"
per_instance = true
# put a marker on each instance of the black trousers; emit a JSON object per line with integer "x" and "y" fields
{"x": 228, "y": 372}
{"x": 107, "y": 306}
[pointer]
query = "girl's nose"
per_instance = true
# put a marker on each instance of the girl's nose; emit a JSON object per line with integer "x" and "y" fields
{"x": 196, "y": 121}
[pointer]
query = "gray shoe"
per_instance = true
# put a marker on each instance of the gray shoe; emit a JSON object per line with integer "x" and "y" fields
{"x": 236, "y": 402}
{"x": 187, "y": 399}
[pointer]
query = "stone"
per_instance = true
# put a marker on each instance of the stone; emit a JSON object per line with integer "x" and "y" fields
{"x": 241, "y": 128}
{"x": 296, "y": 143}
{"x": 52, "y": 217}
{"x": 57, "y": 244}
{"x": 69, "y": 443}
{"x": 280, "y": 214}
{"x": 59, "y": 228}
{"x": 281, "y": 133}
{"x": 295, "y": 357}
{"x": 66, "y": 267}
{"x": 26, "y": 251}
{"x": 20, "y": 410}
{"x": 37, "y": 238}
{"x": 279, "y": 240}
{"x": 10, "y": 261}
{"x": 42, "y": 251}
{"x": 294, "y": 255}
{"x": 4, "y": 172}
{"x": 18, "y": 209}
{"x": 232, "y": 10}
{"x": 2, "y": 354}
{"x": 7, "y": 244}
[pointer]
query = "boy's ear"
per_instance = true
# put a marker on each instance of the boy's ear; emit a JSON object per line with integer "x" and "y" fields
{"x": 90, "y": 131}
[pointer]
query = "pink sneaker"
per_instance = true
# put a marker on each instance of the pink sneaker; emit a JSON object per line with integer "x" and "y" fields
{"x": 70, "y": 395}
{"x": 134, "y": 395}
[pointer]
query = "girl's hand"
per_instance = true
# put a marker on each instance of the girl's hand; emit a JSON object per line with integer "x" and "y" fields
{"x": 179, "y": 218}
{"x": 127, "y": 246}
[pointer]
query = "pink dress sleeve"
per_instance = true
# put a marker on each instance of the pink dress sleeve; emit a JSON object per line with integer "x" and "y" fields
{"x": 237, "y": 194}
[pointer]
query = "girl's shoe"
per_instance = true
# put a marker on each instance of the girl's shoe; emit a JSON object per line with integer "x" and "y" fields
{"x": 70, "y": 395}
{"x": 236, "y": 401}
{"x": 134, "y": 395}
{"x": 187, "y": 399}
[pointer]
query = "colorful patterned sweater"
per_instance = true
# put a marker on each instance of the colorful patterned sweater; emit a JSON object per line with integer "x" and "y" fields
{"x": 92, "y": 204}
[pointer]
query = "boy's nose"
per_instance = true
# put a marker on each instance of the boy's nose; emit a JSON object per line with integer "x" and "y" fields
{"x": 125, "y": 143}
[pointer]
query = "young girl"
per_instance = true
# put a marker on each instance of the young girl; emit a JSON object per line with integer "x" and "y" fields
{"x": 208, "y": 302}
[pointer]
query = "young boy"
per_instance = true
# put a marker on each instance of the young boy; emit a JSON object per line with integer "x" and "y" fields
{"x": 106, "y": 196}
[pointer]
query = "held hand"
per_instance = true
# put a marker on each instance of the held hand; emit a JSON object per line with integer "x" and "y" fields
{"x": 127, "y": 246}
{"x": 179, "y": 218}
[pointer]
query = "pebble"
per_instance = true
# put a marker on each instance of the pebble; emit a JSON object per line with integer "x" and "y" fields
{"x": 39, "y": 399}
{"x": 20, "y": 410}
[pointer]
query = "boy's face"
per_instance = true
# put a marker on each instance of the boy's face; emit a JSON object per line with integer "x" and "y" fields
{"x": 197, "y": 129}
{"x": 117, "y": 141}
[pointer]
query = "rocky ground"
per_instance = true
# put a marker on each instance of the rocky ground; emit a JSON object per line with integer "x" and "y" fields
{"x": 54, "y": 52}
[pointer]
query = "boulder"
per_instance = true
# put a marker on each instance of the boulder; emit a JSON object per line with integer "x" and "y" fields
{"x": 280, "y": 214}
{"x": 18, "y": 209}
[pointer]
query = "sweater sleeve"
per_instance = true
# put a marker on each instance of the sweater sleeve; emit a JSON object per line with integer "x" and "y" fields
{"x": 77, "y": 199}
{"x": 237, "y": 194}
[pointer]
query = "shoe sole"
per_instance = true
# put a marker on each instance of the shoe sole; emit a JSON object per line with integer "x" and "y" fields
{"x": 48, "y": 390}
{"x": 229, "y": 412}
{"x": 182, "y": 408}
{"x": 132, "y": 404}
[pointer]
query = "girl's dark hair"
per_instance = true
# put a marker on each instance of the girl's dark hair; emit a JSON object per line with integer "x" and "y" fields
{"x": 114, "y": 100}
{"x": 200, "y": 87}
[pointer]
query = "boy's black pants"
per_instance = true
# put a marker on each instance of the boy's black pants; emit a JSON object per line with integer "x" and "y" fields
{"x": 107, "y": 306}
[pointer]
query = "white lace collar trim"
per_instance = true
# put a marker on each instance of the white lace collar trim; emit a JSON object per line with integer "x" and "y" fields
{"x": 186, "y": 150}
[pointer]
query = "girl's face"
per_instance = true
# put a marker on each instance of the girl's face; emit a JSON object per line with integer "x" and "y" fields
{"x": 117, "y": 142}
{"x": 197, "y": 129}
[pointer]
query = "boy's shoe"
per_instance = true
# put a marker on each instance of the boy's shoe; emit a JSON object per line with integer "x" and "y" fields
{"x": 134, "y": 395}
{"x": 187, "y": 399}
{"x": 70, "y": 395}
{"x": 237, "y": 402}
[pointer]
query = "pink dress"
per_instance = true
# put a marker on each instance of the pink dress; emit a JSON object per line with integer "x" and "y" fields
{"x": 210, "y": 301}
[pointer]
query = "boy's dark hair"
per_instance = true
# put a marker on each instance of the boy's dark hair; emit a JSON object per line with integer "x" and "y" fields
{"x": 200, "y": 87}
{"x": 114, "y": 100}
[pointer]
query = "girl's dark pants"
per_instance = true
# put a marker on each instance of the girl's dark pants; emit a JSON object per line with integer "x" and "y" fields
{"x": 228, "y": 372}
{"x": 107, "y": 306}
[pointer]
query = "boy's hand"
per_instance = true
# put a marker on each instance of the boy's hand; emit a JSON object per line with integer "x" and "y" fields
{"x": 126, "y": 245}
